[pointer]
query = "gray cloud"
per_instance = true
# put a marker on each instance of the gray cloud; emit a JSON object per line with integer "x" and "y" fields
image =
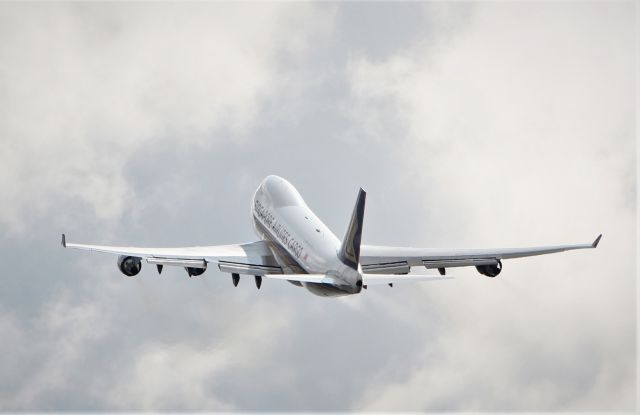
{"x": 90, "y": 84}
{"x": 468, "y": 126}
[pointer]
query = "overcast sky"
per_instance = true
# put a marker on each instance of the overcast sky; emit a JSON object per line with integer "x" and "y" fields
{"x": 469, "y": 125}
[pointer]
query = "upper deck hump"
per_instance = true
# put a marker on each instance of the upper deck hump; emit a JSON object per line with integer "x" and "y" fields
{"x": 280, "y": 193}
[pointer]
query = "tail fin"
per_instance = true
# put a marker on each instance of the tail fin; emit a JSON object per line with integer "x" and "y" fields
{"x": 350, "y": 250}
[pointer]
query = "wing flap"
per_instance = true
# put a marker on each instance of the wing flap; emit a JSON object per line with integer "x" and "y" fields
{"x": 400, "y": 267}
{"x": 372, "y": 279}
{"x": 464, "y": 262}
{"x": 248, "y": 269}
{"x": 317, "y": 278}
{"x": 178, "y": 262}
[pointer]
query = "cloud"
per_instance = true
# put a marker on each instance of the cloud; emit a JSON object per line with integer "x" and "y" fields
{"x": 469, "y": 126}
{"x": 519, "y": 139}
{"x": 87, "y": 86}
{"x": 184, "y": 375}
{"x": 45, "y": 347}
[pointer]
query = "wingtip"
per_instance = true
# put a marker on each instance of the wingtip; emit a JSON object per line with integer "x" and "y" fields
{"x": 63, "y": 242}
{"x": 596, "y": 242}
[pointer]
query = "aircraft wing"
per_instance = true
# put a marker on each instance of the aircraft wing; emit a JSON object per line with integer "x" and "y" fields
{"x": 253, "y": 258}
{"x": 395, "y": 260}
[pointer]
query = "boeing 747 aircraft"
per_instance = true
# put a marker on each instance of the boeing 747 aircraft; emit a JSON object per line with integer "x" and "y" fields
{"x": 296, "y": 246}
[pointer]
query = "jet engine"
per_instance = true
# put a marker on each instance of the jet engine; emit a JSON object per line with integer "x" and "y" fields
{"x": 129, "y": 265}
{"x": 194, "y": 272}
{"x": 491, "y": 270}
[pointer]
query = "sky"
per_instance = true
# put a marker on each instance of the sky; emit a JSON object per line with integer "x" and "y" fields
{"x": 485, "y": 124}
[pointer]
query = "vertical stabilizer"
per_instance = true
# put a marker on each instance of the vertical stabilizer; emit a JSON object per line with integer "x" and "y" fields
{"x": 350, "y": 250}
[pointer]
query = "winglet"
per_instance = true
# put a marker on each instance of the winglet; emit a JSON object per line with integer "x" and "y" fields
{"x": 64, "y": 241}
{"x": 596, "y": 242}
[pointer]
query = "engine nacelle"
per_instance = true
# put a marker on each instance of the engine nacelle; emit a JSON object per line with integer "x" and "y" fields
{"x": 194, "y": 272}
{"x": 129, "y": 265}
{"x": 491, "y": 270}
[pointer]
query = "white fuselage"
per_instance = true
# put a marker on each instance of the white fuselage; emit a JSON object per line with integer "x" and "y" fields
{"x": 300, "y": 242}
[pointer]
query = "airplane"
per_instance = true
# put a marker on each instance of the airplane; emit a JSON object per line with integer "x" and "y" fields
{"x": 296, "y": 246}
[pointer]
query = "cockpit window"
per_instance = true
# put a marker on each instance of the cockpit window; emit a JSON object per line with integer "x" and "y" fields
{"x": 282, "y": 194}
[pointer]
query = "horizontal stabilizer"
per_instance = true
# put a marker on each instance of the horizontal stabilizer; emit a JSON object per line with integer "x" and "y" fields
{"x": 317, "y": 278}
{"x": 370, "y": 279}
